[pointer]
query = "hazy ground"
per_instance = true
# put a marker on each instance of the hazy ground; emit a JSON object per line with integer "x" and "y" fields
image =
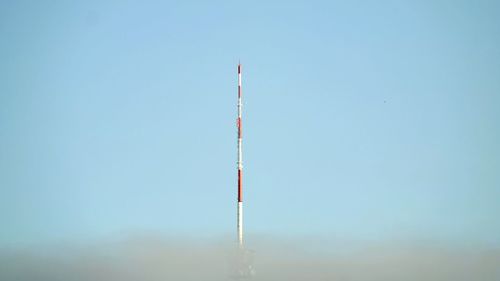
{"x": 182, "y": 259}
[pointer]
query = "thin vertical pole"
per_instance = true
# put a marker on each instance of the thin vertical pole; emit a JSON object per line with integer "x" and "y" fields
{"x": 240, "y": 163}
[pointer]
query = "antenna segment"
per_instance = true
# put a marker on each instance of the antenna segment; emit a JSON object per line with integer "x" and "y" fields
{"x": 240, "y": 163}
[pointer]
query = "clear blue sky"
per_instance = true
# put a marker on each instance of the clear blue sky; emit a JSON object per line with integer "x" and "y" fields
{"x": 363, "y": 120}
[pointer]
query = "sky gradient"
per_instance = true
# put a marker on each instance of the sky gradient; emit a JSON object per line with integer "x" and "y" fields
{"x": 367, "y": 120}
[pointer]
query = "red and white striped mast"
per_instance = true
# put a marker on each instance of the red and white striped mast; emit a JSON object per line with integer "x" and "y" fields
{"x": 240, "y": 163}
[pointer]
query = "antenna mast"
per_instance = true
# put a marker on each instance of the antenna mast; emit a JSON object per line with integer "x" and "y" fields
{"x": 240, "y": 163}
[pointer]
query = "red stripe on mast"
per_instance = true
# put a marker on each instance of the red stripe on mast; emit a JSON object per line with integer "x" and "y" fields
{"x": 238, "y": 123}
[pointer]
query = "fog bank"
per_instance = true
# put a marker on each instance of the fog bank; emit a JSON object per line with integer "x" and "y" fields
{"x": 156, "y": 258}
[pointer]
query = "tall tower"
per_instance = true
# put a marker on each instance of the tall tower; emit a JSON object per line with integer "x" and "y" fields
{"x": 240, "y": 163}
{"x": 244, "y": 258}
